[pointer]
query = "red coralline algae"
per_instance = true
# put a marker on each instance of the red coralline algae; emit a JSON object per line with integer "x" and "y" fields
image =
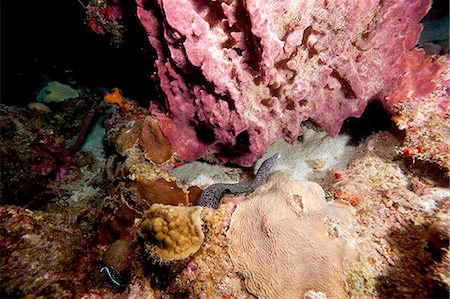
{"x": 238, "y": 75}
{"x": 105, "y": 17}
{"x": 419, "y": 77}
{"x": 422, "y": 108}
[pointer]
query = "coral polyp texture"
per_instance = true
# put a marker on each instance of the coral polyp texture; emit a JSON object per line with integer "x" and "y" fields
{"x": 421, "y": 104}
{"x": 176, "y": 231}
{"x": 281, "y": 242}
{"x": 239, "y": 75}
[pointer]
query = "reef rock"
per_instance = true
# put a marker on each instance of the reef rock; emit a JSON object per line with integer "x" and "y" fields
{"x": 141, "y": 150}
{"x": 153, "y": 142}
{"x": 287, "y": 242}
{"x": 421, "y": 106}
{"x": 238, "y": 75}
{"x": 399, "y": 222}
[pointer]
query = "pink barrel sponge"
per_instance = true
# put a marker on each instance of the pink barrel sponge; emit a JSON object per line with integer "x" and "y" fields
{"x": 239, "y": 75}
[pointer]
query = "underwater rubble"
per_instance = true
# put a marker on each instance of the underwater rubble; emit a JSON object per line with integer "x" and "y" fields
{"x": 100, "y": 195}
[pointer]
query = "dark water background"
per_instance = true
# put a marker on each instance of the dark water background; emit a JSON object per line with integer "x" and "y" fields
{"x": 44, "y": 40}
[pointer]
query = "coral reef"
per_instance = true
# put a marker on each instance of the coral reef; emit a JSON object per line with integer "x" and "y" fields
{"x": 335, "y": 218}
{"x": 131, "y": 168}
{"x": 421, "y": 107}
{"x": 240, "y": 75}
{"x": 207, "y": 273}
{"x": 177, "y": 231}
{"x": 391, "y": 211}
{"x": 156, "y": 147}
{"x": 39, "y": 145}
{"x": 313, "y": 156}
{"x": 144, "y": 160}
{"x": 279, "y": 241}
{"x": 104, "y": 17}
{"x": 398, "y": 228}
{"x": 397, "y": 205}
{"x": 49, "y": 253}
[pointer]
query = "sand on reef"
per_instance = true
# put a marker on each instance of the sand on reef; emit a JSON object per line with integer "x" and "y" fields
{"x": 312, "y": 158}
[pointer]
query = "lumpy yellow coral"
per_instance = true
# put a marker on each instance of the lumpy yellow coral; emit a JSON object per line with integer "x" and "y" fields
{"x": 176, "y": 231}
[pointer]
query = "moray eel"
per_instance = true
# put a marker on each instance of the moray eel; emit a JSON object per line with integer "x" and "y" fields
{"x": 210, "y": 197}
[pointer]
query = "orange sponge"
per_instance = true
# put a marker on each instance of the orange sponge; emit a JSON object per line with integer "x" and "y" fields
{"x": 115, "y": 96}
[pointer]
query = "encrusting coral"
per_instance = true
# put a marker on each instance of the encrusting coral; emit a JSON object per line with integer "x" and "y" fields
{"x": 281, "y": 242}
{"x": 421, "y": 108}
{"x": 398, "y": 206}
{"x": 143, "y": 161}
{"x": 155, "y": 146}
{"x": 176, "y": 231}
{"x": 106, "y": 18}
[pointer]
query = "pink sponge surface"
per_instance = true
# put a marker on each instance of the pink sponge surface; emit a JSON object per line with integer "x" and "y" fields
{"x": 239, "y": 75}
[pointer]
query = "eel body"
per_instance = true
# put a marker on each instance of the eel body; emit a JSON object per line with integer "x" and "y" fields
{"x": 210, "y": 197}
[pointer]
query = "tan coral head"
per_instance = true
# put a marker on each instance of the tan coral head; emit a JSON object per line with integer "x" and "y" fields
{"x": 279, "y": 240}
{"x": 175, "y": 231}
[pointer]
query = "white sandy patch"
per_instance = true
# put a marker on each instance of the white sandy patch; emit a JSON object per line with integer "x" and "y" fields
{"x": 314, "y": 156}
{"x": 203, "y": 174}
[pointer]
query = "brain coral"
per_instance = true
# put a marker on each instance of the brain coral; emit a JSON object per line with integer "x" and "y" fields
{"x": 238, "y": 75}
{"x": 279, "y": 240}
{"x": 176, "y": 231}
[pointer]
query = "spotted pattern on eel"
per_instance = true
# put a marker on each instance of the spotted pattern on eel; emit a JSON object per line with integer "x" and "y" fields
{"x": 211, "y": 196}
